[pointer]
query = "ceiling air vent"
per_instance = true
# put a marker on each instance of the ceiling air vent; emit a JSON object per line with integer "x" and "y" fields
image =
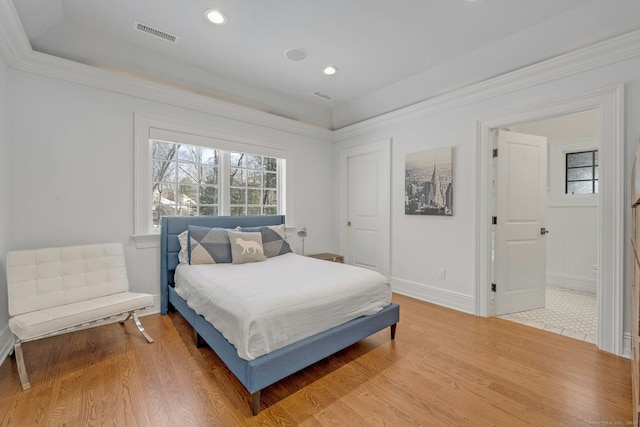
{"x": 323, "y": 95}
{"x": 155, "y": 32}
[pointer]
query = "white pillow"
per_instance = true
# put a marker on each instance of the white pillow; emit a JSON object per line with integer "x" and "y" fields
{"x": 183, "y": 255}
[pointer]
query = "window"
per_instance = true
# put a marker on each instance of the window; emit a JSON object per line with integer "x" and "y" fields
{"x": 582, "y": 172}
{"x": 185, "y": 168}
{"x": 189, "y": 180}
{"x": 184, "y": 180}
{"x": 253, "y": 184}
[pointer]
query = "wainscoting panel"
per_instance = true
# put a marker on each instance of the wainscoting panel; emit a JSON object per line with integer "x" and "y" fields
{"x": 572, "y": 246}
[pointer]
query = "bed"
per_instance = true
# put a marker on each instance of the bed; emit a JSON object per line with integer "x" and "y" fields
{"x": 263, "y": 369}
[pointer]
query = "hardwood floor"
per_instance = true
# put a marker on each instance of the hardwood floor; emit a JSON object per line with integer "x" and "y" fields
{"x": 444, "y": 368}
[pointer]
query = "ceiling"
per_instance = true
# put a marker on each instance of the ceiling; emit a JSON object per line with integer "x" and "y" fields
{"x": 389, "y": 54}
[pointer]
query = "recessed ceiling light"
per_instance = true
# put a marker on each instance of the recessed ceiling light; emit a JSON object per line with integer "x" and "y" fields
{"x": 215, "y": 16}
{"x": 330, "y": 70}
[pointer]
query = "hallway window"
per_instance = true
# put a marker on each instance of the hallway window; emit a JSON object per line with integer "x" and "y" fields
{"x": 582, "y": 172}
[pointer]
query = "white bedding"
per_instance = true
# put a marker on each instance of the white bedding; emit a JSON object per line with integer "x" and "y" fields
{"x": 260, "y": 307}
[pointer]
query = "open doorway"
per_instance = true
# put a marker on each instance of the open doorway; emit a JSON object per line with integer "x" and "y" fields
{"x": 609, "y": 104}
{"x": 571, "y": 219}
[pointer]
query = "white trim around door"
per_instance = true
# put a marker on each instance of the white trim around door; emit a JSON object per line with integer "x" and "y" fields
{"x": 383, "y": 190}
{"x": 609, "y": 102}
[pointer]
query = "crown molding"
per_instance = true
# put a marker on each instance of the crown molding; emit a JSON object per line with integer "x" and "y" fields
{"x": 16, "y": 49}
{"x": 614, "y": 50}
{"x": 19, "y": 55}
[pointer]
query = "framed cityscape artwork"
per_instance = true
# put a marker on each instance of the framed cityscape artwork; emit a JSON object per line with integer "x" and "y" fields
{"x": 428, "y": 188}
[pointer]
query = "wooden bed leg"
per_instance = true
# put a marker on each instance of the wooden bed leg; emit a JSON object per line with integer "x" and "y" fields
{"x": 198, "y": 339}
{"x": 393, "y": 331}
{"x": 255, "y": 403}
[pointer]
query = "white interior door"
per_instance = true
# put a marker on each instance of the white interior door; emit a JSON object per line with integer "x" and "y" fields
{"x": 520, "y": 234}
{"x": 366, "y": 172}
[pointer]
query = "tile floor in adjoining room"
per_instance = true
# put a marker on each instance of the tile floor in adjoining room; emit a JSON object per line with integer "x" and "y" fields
{"x": 567, "y": 312}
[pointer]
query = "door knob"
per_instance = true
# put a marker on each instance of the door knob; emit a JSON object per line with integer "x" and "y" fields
{"x": 543, "y": 231}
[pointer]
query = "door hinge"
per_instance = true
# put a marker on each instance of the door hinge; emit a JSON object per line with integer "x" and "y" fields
{"x": 493, "y": 287}
{"x": 494, "y": 220}
{"x": 495, "y": 153}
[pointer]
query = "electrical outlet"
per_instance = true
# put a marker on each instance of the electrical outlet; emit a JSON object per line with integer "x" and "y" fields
{"x": 442, "y": 273}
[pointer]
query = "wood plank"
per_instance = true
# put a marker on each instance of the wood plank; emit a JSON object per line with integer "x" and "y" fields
{"x": 444, "y": 368}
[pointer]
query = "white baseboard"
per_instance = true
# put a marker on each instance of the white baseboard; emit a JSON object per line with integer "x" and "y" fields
{"x": 626, "y": 345}
{"x": 453, "y": 300}
{"x": 154, "y": 309}
{"x": 572, "y": 282}
{"x": 6, "y": 344}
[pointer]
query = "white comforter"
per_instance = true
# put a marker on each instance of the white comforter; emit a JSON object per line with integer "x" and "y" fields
{"x": 260, "y": 307}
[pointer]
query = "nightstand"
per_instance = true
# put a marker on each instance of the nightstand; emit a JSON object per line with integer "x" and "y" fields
{"x": 328, "y": 257}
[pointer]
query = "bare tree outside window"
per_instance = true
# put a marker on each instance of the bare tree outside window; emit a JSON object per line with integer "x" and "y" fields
{"x": 185, "y": 182}
{"x": 254, "y": 184}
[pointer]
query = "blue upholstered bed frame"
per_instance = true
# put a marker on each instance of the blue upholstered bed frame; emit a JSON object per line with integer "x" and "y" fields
{"x": 270, "y": 368}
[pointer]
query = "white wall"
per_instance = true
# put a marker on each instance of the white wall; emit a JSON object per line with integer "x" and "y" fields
{"x": 422, "y": 245}
{"x": 5, "y": 178}
{"x": 71, "y": 149}
{"x": 73, "y": 183}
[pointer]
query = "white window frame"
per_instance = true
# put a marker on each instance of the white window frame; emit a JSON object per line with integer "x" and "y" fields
{"x": 223, "y": 202}
{"x": 149, "y": 127}
{"x": 557, "y": 173}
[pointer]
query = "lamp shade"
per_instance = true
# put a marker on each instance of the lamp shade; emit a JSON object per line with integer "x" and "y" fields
{"x": 302, "y": 233}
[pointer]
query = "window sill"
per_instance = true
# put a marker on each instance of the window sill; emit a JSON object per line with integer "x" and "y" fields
{"x": 146, "y": 240}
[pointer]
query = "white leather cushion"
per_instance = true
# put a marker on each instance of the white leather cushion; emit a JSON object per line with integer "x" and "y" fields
{"x": 43, "y": 278}
{"x": 37, "y": 323}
